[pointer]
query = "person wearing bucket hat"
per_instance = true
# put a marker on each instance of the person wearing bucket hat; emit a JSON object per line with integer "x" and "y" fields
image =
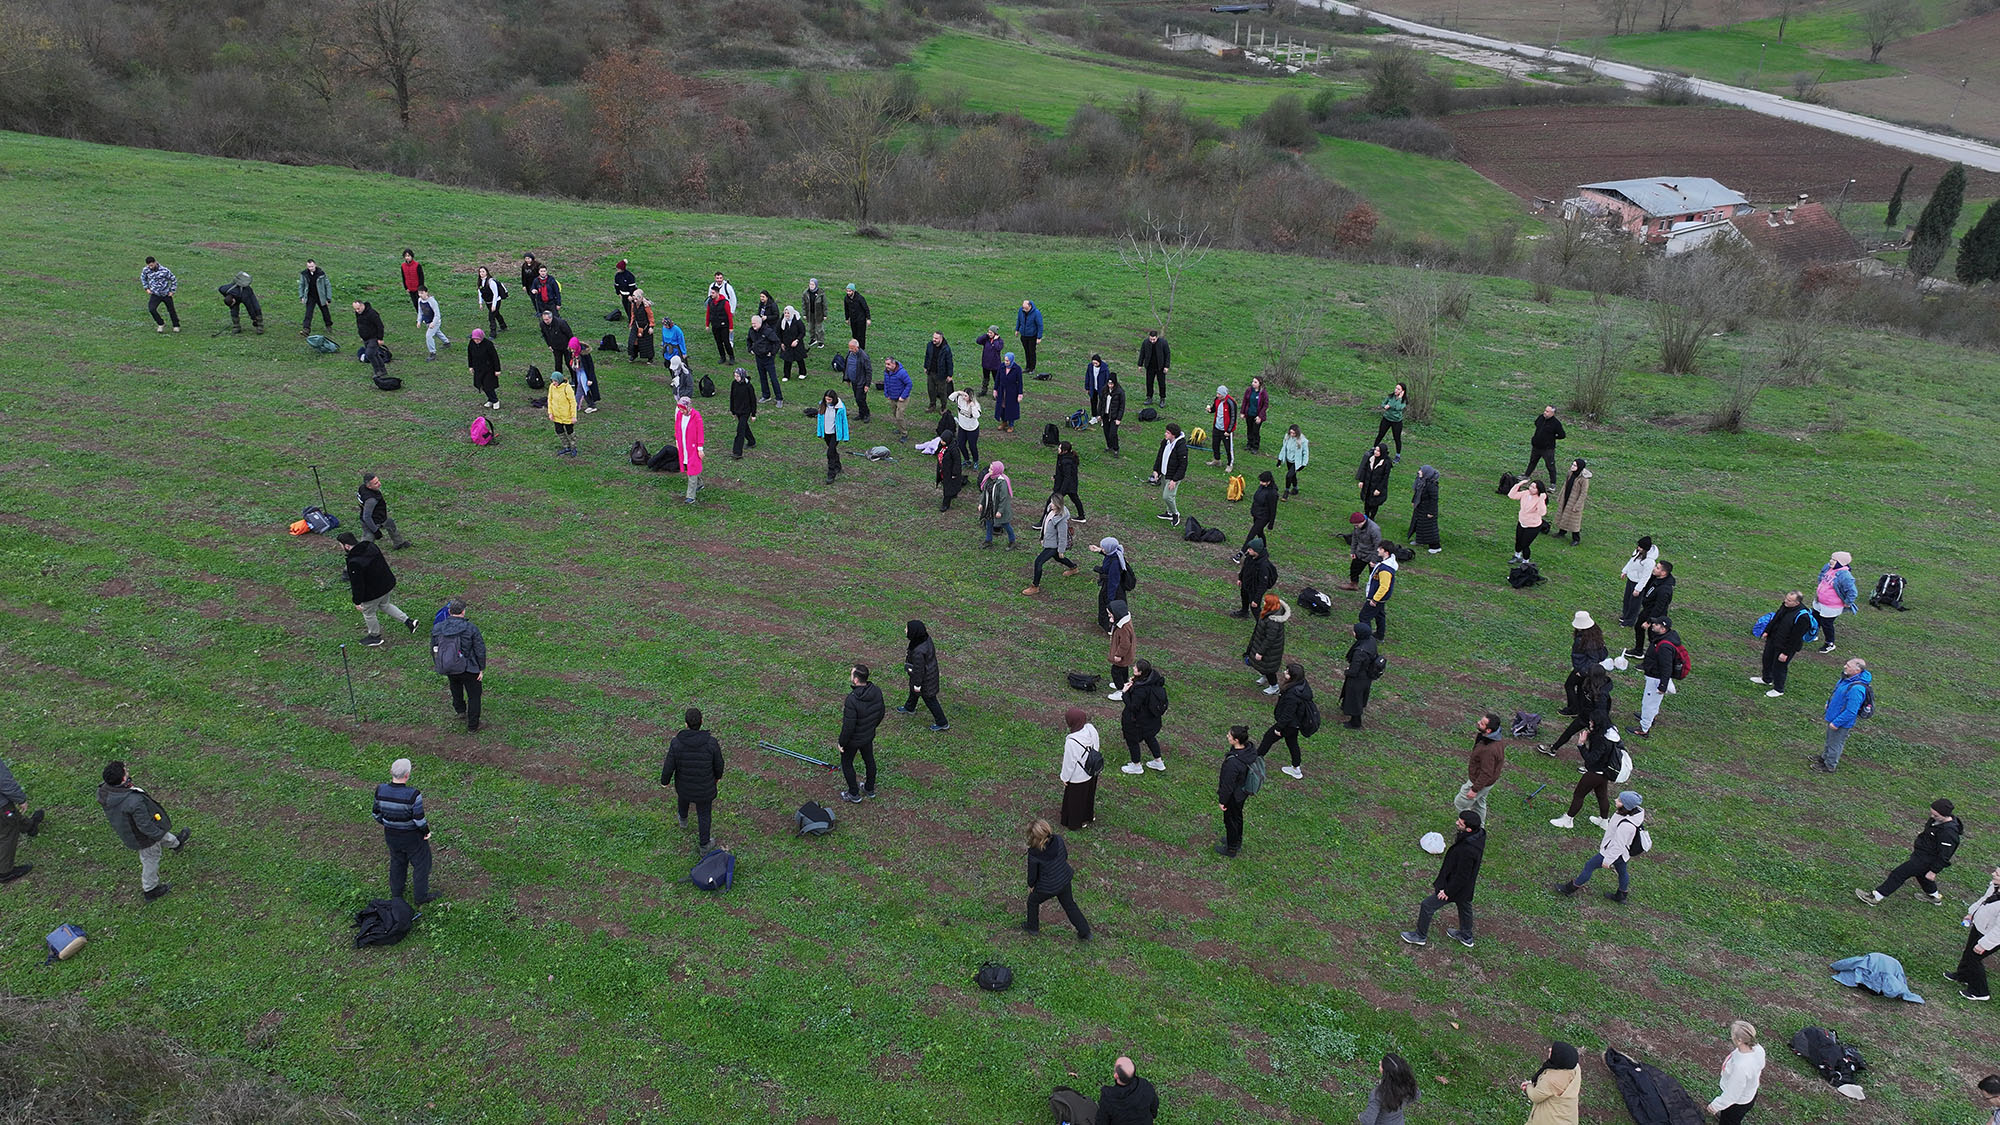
{"x": 1834, "y": 594}
{"x": 1587, "y": 650}
{"x": 1457, "y": 877}
{"x": 1620, "y": 835}
{"x": 1603, "y": 754}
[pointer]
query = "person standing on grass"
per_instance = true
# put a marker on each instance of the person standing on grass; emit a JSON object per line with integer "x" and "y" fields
{"x": 830, "y": 422}
{"x": 412, "y": 272}
{"x": 1742, "y": 1073}
{"x": 1575, "y": 491}
{"x": 1222, "y": 416}
{"x": 920, "y": 663}
{"x": 996, "y": 504}
{"x": 1982, "y": 937}
{"x": 584, "y": 367}
{"x": 482, "y": 362}
{"x": 1843, "y": 710}
{"x": 1615, "y": 850}
{"x": 1289, "y": 718}
{"x": 639, "y": 329}
{"x": 1661, "y": 667}
{"x": 1587, "y": 653}
{"x": 431, "y": 317}
{"x": 1542, "y": 446}
{"x": 1169, "y": 468}
{"x": 1932, "y": 853}
{"x": 1114, "y": 411}
{"x": 1055, "y": 543}
{"x": 531, "y": 268}
{"x": 720, "y": 318}
{"x": 1094, "y": 374}
{"x": 562, "y": 412}
{"x": 967, "y": 417}
{"x": 1155, "y": 359}
{"x": 762, "y": 340}
{"x": 158, "y": 283}
{"x": 1534, "y": 501}
{"x": 375, "y": 518}
{"x": 1393, "y": 1094}
{"x": 897, "y": 387}
{"x": 1145, "y": 700}
{"x": 1009, "y": 388}
{"x": 1638, "y": 574}
{"x": 458, "y": 653}
{"x": 860, "y": 714}
{"x": 1381, "y": 587}
{"x": 1653, "y": 602}
{"x": 693, "y": 766}
{"x": 938, "y": 384}
{"x": 625, "y": 283}
{"x": 1294, "y": 453}
{"x": 855, "y": 308}
{"x": 1254, "y": 577}
{"x": 689, "y": 441}
{"x": 791, "y": 346}
{"x": 857, "y": 371}
{"x": 1049, "y": 877}
{"x": 674, "y": 345}
{"x": 1834, "y": 594}
{"x": 491, "y": 291}
{"x": 1457, "y": 880}
{"x": 743, "y": 406}
{"x": 950, "y": 465}
{"x": 16, "y": 823}
{"x": 1602, "y": 753}
{"x": 1263, "y": 509}
{"x": 368, "y": 326}
{"x": 1424, "y": 511}
{"x": 371, "y": 582}
{"x": 1028, "y": 326}
{"x": 545, "y": 291}
{"x": 1482, "y": 768}
{"x": 1129, "y": 1100}
{"x": 1373, "y": 478}
{"x": 1229, "y": 793}
{"x": 399, "y": 809}
{"x": 1124, "y": 643}
{"x": 315, "y": 292}
{"x": 1110, "y": 581}
{"x": 1783, "y": 638}
{"x": 991, "y": 348}
{"x": 1360, "y": 679}
{"x": 1265, "y": 654}
{"x": 1079, "y": 801}
{"x": 814, "y": 300}
{"x": 1555, "y": 1089}
{"x": 1068, "y": 469}
{"x": 1392, "y": 409}
{"x": 557, "y": 335}
{"x": 142, "y": 825}
{"x": 1256, "y": 406}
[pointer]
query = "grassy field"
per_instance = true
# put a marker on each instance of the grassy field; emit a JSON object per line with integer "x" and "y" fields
{"x": 1733, "y": 55}
{"x": 1865, "y": 220}
{"x": 1441, "y": 199}
{"x": 155, "y": 610}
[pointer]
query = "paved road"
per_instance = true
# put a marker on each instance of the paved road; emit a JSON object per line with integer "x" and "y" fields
{"x": 1972, "y": 153}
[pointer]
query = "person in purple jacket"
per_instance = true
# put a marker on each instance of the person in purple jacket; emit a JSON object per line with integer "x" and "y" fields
{"x": 991, "y": 348}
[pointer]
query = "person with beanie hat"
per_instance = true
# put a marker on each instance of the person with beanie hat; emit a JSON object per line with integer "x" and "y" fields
{"x": 1049, "y": 877}
{"x": 482, "y": 362}
{"x": 1263, "y": 509}
{"x": 1145, "y": 701}
{"x": 1123, "y": 642}
{"x": 1361, "y": 541}
{"x": 921, "y": 663}
{"x": 1555, "y": 1089}
{"x": 1361, "y": 665}
{"x": 1223, "y": 412}
{"x": 1620, "y": 836}
{"x": 1079, "y": 800}
{"x": 1932, "y": 853}
{"x": 1254, "y": 577}
{"x": 1265, "y": 654}
{"x": 1457, "y": 878}
{"x": 562, "y": 413}
{"x": 1660, "y": 668}
{"x": 625, "y": 283}
{"x": 1482, "y": 770}
{"x": 1834, "y": 594}
{"x": 1288, "y": 718}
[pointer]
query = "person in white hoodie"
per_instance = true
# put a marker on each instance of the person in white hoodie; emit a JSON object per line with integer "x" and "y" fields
{"x": 1740, "y": 1075}
{"x": 1079, "y": 803}
{"x": 1984, "y": 920}
{"x": 1620, "y": 835}
{"x": 1638, "y": 574}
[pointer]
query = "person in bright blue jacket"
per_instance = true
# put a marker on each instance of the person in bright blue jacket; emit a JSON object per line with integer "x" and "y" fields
{"x": 830, "y": 422}
{"x": 1834, "y": 594}
{"x": 1843, "y": 710}
{"x": 673, "y": 342}
{"x": 1028, "y": 326}
{"x": 896, "y": 387}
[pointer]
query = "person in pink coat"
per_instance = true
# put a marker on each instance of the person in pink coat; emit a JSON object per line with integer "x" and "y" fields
{"x": 688, "y": 440}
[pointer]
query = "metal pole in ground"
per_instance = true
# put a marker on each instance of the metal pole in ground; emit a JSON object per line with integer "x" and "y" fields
{"x": 349, "y": 673}
{"x": 319, "y": 487}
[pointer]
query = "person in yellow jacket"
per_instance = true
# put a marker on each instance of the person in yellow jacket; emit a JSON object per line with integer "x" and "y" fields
{"x": 1553, "y": 1091}
{"x": 562, "y": 411}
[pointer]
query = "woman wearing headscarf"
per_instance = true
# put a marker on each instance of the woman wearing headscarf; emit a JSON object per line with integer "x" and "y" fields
{"x": 1294, "y": 702}
{"x": 1586, "y": 651}
{"x": 996, "y": 503}
{"x": 1124, "y": 646}
{"x": 1424, "y": 511}
{"x": 1079, "y": 802}
{"x": 921, "y": 663}
{"x": 1552, "y": 1092}
{"x": 1265, "y": 653}
{"x": 1575, "y": 491}
{"x": 1373, "y": 477}
{"x": 585, "y": 368}
{"x": 1110, "y": 580}
{"x": 482, "y": 360}
{"x": 1008, "y": 384}
{"x": 830, "y": 422}
{"x": 1834, "y": 594}
{"x": 792, "y": 343}
{"x": 950, "y": 468}
{"x": 1360, "y": 675}
{"x": 1055, "y": 542}
{"x": 639, "y": 335}
{"x": 1049, "y": 877}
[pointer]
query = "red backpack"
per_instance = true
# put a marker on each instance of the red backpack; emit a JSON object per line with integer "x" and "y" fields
{"x": 1683, "y": 663}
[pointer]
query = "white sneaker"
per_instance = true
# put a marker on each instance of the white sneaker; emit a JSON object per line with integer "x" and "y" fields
{"x": 1564, "y": 821}
{"x": 1773, "y": 693}
{"x": 1599, "y": 821}
{"x": 1294, "y": 772}
{"x": 1161, "y": 765}
{"x": 1759, "y": 680}
{"x": 1436, "y": 550}
{"x": 1262, "y": 682}
{"x": 1132, "y": 768}
{"x": 1272, "y": 690}
{"x": 1115, "y": 696}
{"x": 159, "y": 328}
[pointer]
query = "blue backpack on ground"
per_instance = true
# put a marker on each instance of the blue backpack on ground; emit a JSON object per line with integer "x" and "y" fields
{"x": 715, "y": 871}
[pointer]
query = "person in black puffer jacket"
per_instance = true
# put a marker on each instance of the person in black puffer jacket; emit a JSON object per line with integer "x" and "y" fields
{"x": 1049, "y": 877}
{"x": 1456, "y": 880}
{"x": 1360, "y": 679}
{"x": 1654, "y": 602}
{"x": 1783, "y": 638}
{"x": 921, "y": 662}
{"x": 1067, "y": 463}
{"x": 1229, "y": 796}
{"x": 693, "y": 766}
{"x": 743, "y": 407}
{"x": 1254, "y": 578}
{"x": 859, "y": 716}
{"x": 1145, "y": 711}
{"x": 370, "y": 581}
{"x": 1130, "y": 1099}
{"x": 1295, "y": 702}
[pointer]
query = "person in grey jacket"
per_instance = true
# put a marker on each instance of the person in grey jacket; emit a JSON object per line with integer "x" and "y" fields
{"x": 458, "y": 652}
{"x": 1361, "y": 548}
{"x": 14, "y": 824}
{"x": 315, "y": 292}
{"x": 375, "y": 519}
{"x": 142, "y": 825}
{"x": 1396, "y": 1092}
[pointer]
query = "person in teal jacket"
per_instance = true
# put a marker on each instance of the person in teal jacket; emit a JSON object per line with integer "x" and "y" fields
{"x": 1028, "y": 326}
{"x": 1392, "y": 418}
{"x": 830, "y": 422}
{"x": 1843, "y": 710}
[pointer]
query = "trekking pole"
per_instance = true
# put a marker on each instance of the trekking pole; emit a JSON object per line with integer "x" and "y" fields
{"x": 1529, "y": 798}
{"x": 349, "y": 673}
{"x": 319, "y": 487}
{"x": 764, "y": 745}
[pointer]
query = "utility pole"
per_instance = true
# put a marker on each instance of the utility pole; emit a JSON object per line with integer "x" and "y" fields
{"x": 1842, "y": 201}
{"x": 1560, "y": 10}
{"x": 1758, "y": 84}
{"x": 1957, "y": 100}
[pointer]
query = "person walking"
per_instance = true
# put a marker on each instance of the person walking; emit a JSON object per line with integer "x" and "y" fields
{"x": 1028, "y": 326}
{"x": 625, "y": 283}
{"x": 1230, "y": 794}
{"x": 689, "y": 435}
{"x": 1575, "y": 492}
{"x": 996, "y": 504}
{"x": 371, "y": 582}
{"x": 1555, "y": 1089}
{"x": 1129, "y": 1100}
{"x": 1094, "y": 374}
{"x": 1742, "y": 1074}
{"x": 920, "y": 663}
{"x": 743, "y": 407}
{"x": 1049, "y": 877}
{"x": 238, "y": 296}
{"x": 791, "y": 346}
{"x": 1483, "y": 766}
{"x": 1783, "y": 638}
{"x": 1381, "y": 587}
{"x": 693, "y": 766}
{"x": 1155, "y": 359}
{"x": 315, "y": 292}
{"x": 1055, "y": 543}
{"x": 562, "y": 412}
{"x": 1265, "y": 652}
{"x": 1587, "y": 653}
{"x": 1079, "y": 800}
{"x": 897, "y": 387}
{"x": 375, "y": 518}
{"x": 1534, "y": 501}
{"x": 1114, "y": 411}
{"x": 412, "y": 272}
{"x": 639, "y": 328}
{"x": 1009, "y": 388}
{"x": 858, "y": 372}
{"x": 720, "y": 317}
{"x": 814, "y": 300}
{"x": 1124, "y": 645}
{"x": 1254, "y": 577}
{"x": 1372, "y": 476}
{"x": 830, "y": 422}
{"x": 1594, "y": 711}
{"x": 399, "y": 809}
{"x": 1222, "y": 415}
{"x": 1256, "y": 406}
{"x": 159, "y": 283}
{"x": 1660, "y": 668}
{"x": 991, "y": 349}
{"x": 142, "y": 825}
{"x": 1834, "y": 595}
{"x": 1456, "y": 883}
{"x": 1542, "y": 446}
{"x": 1364, "y": 665}
{"x": 531, "y": 268}
{"x": 556, "y": 334}
{"x": 491, "y": 291}
{"x": 1932, "y": 853}
{"x": 1294, "y": 453}
{"x": 544, "y": 292}
{"x": 1393, "y": 1093}
{"x": 855, "y": 308}
{"x": 1614, "y": 850}
{"x": 1638, "y": 574}
{"x": 1145, "y": 700}
{"x": 860, "y": 714}
{"x": 938, "y": 383}
{"x": 368, "y": 326}
{"x": 1653, "y": 602}
{"x": 482, "y": 362}
{"x": 1111, "y": 585}
{"x": 1392, "y": 408}
{"x": 16, "y": 823}
{"x": 458, "y": 653}
{"x": 431, "y": 318}
{"x": 1169, "y": 468}
{"x": 1852, "y": 700}
{"x": 1981, "y": 938}
{"x": 1603, "y": 755}
{"x": 762, "y": 339}
{"x": 1263, "y": 509}
{"x": 1294, "y": 711}
{"x": 1068, "y": 471}
{"x": 1424, "y": 511}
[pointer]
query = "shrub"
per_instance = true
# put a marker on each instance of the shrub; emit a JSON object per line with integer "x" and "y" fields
{"x": 1285, "y": 123}
{"x": 1600, "y": 353}
{"x": 1738, "y": 392}
{"x": 1356, "y": 228}
{"x": 1671, "y": 89}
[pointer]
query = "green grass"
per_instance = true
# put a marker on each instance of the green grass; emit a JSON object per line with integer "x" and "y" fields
{"x": 1732, "y": 55}
{"x": 1865, "y": 220}
{"x": 1420, "y": 195}
{"x": 155, "y": 610}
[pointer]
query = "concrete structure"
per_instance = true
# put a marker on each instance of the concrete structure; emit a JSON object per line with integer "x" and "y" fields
{"x": 1673, "y": 212}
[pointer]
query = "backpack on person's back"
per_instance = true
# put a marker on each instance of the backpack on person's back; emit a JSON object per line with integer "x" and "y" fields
{"x": 1683, "y": 663}
{"x": 452, "y": 655}
{"x": 1253, "y": 779}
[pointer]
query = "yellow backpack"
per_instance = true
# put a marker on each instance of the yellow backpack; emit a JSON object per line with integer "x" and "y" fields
{"x": 1198, "y": 438}
{"x": 1235, "y": 488}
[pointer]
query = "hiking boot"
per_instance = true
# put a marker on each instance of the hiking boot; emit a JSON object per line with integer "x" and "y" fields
{"x": 372, "y": 640}
{"x": 1463, "y": 938}
{"x": 1348, "y": 586}
{"x": 1293, "y": 772}
{"x": 1615, "y": 896}
{"x": 1032, "y": 591}
{"x": 158, "y": 892}
{"x": 1133, "y": 768}
{"x": 1414, "y": 938}
{"x": 17, "y": 873}
{"x": 1869, "y": 897}
{"x": 1564, "y": 821}
{"x": 1566, "y": 889}
{"x": 1157, "y": 764}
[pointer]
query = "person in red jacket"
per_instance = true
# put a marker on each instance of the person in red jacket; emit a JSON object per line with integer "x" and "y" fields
{"x": 413, "y": 278}
{"x": 721, "y": 322}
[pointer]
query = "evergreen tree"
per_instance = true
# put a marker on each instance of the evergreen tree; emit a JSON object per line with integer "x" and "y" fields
{"x": 1979, "y": 250}
{"x": 1934, "y": 226}
{"x": 1896, "y": 200}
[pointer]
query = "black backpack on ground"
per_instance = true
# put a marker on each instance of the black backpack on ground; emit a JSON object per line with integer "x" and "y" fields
{"x": 1051, "y": 435}
{"x": 535, "y": 380}
{"x": 1524, "y": 574}
{"x": 715, "y": 871}
{"x": 667, "y": 460}
{"x": 638, "y": 454}
{"x": 387, "y": 383}
{"x": 1069, "y": 1107}
{"x": 1316, "y": 603}
{"x": 994, "y": 977}
{"x": 608, "y": 344}
{"x": 385, "y": 922}
{"x": 1888, "y": 592}
{"x": 1405, "y": 553}
{"x": 1194, "y": 532}
{"x": 1149, "y": 415}
{"x": 707, "y": 387}
{"x": 814, "y": 819}
{"x": 1083, "y": 681}
{"x": 1835, "y": 1061}
{"x": 1507, "y": 483}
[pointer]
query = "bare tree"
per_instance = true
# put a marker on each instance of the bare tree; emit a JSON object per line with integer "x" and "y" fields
{"x": 390, "y": 41}
{"x": 1885, "y": 21}
{"x": 1290, "y": 331}
{"x": 857, "y": 124}
{"x": 1692, "y": 295}
{"x": 1163, "y": 253}
{"x": 310, "y": 52}
{"x": 1785, "y": 10}
{"x": 1623, "y": 15}
{"x": 1600, "y": 353}
{"x": 1670, "y": 12}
